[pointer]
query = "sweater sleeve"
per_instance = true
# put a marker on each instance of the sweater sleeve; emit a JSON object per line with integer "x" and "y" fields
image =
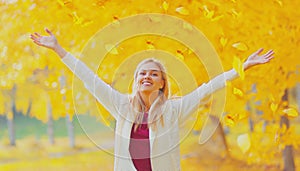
{"x": 104, "y": 93}
{"x": 190, "y": 102}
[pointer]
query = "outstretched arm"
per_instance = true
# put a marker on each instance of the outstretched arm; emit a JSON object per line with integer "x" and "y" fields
{"x": 104, "y": 93}
{"x": 189, "y": 103}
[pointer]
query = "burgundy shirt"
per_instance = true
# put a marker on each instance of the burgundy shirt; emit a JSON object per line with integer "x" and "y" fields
{"x": 139, "y": 146}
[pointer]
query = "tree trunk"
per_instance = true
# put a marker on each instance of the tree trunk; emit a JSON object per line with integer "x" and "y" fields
{"x": 10, "y": 117}
{"x": 287, "y": 153}
{"x": 50, "y": 129}
{"x": 11, "y": 128}
{"x": 220, "y": 130}
{"x": 70, "y": 129}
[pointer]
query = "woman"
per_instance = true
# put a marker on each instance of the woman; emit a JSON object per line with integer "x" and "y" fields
{"x": 147, "y": 133}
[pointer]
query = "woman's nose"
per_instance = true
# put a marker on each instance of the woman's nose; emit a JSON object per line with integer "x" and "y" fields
{"x": 147, "y": 76}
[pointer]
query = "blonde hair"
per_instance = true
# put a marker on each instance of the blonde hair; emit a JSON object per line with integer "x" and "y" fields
{"x": 156, "y": 109}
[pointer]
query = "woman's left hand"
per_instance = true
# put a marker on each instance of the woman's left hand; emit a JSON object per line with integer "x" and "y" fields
{"x": 256, "y": 58}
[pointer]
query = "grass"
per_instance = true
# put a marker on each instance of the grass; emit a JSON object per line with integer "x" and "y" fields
{"x": 28, "y": 126}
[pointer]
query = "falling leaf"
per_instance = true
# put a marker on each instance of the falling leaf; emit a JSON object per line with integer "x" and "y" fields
{"x": 111, "y": 49}
{"x": 291, "y": 112}
{"x": 229, "y": 120}
{"x": 243, "y": 142}
{"x": 76, "y": 18}
{"x": 239, "y": 67}
{"x": 217, "y": 18}
{"x": 165, "y": 6}
{"x": 187, "y": 26}
{"x": 240, "y": 46}
{"x": 274, "y": 107}
{"x": 279, "y": 2}
{"x": 180, "y": 55}
{"x": 182, "y": 11}
{"x": 116, "y": 21}
{"x": 61, "y": 3}
{"x": 223, "y": 41}
{"x": 235, "y": 14}
{"x": 150, "y": 44}
{"x": 238, "y": 92}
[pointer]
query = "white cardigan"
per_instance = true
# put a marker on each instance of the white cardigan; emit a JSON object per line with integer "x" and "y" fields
{"x": 164, "y": 142}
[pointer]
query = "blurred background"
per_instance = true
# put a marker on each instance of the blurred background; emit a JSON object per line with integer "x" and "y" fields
{"x": 40, "y": 128}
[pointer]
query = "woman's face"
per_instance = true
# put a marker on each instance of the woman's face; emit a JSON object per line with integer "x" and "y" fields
{"x": 149, "y": 78}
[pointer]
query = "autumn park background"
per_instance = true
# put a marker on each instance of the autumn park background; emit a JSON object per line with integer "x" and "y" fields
{"x": 40, "y": 129}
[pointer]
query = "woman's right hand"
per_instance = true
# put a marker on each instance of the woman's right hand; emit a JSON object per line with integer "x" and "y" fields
{"x": 48, "y": 42}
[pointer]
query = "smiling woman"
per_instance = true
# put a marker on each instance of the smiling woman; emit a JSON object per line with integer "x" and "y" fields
{"x": 147, "y": 123}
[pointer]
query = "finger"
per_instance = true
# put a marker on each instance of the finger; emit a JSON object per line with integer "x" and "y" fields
{"x": 37, "y": 34}
{"x": 48, "y": 31}
{"x": 270, "y": 57}
{"x": 259, "y": 51}
{"x": 37, "y": 42}
{"x": 33, "y": 37}
{"x": 269, "y": 53}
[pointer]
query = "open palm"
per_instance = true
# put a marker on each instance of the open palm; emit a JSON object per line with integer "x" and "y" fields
{"x": 256, "y": 58}
{"x": 46, "y": 41}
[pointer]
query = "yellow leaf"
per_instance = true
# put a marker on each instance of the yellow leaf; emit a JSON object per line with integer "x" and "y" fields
{"x": 61, "y": 3}
{"x": 223, "y": 41}
{"x": 165, "y": 6}
{"x": 217, "y": 18}
{"x": 243, "y": 142}
{"x": 274, "y": 107}
{"x": 238, "y": 92}
{"x": 150, "y": 45}
{"x": 210, "y": 14}
{"x": 116, "y": 21}
{"x": 182, "y": 11}
{"x": 279, "y": 2}
{"x": 179, "y": 54}
{"x": 111, "y": 49}
{"x": 235, "y": 13}
{"x": 187, "y": 26}
{"x": 240, "y": 46}
{"x": 229, "y": 120}
{"x": 239, "y": 67}
{"x": 291, "y": 112}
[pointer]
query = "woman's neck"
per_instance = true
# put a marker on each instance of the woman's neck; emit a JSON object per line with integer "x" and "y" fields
{"x": 148, "y": 98}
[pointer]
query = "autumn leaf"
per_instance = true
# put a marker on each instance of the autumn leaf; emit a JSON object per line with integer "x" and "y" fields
{"x": 165, "y": 6}
{"x": 240, "y": 46}
{"x": 229, "y": 120}
{"x": 274, "y": 107}
{"x": 243, "y": 142}
{"x": 182, "y": 11}
{"x": 291, "y": 112}
{"x": 223, "y": 41}
{"x": 150, "y": 44}
{"x": 180, "y": 55}
{"x": 239, "y": 67}
{"x": 187, "y": 26}
{"x": 238, "y": 92}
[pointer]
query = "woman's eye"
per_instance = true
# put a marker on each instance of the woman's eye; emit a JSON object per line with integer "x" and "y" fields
{"x": 155, "y": 74}
{"x": 142, "y": 73}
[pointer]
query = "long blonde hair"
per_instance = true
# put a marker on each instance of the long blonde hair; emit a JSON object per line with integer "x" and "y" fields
{"x": 156, "y": 110}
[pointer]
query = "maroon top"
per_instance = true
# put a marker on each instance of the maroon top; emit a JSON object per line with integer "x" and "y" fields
{"x": 139, "y": 146}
